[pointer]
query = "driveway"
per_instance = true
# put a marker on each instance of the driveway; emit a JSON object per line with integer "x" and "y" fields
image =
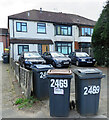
{"x": 11, "y": 91}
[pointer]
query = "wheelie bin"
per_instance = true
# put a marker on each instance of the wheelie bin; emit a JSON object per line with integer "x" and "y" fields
{"x": 87, "y": 90}
{"x": 40, "y": 80}
{"x": 5, "y": 57}
{"x": 59, "y": 92}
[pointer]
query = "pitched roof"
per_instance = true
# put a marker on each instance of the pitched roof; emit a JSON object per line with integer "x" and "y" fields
{"x": 53, "y": 17}
{"x": 3, "y": 31}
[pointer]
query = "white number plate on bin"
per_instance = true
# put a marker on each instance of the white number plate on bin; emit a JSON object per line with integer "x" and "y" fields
{"x": 58, "y": 91}
{"x": 58, "y": 85}
{"x": 91, "y": 90}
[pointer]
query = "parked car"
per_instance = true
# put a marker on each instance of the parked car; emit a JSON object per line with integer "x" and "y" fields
{"x": 57, "y": 59}
{"x": 81, "y": 58}
{"x": 26, "y": 59}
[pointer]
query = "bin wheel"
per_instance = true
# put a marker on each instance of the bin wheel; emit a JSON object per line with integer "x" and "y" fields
{"x": 77, "y": 63}
{"x": 72, "y": 105}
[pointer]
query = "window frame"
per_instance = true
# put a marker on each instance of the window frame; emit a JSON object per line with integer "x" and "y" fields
{"x": 22, "y": 48}
{"x": 61, "y": 27}
{"x": 62, "y": 45}
{"x": 44, "y": 25}
{"x": 21, "y": 26}
{"x": 82, "y": 31}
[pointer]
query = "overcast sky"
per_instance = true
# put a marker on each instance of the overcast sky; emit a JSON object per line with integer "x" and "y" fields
{"x": 88, "y": 8}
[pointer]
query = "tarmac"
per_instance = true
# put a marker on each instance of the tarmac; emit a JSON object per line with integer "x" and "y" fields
{"x": 10, "y": 90}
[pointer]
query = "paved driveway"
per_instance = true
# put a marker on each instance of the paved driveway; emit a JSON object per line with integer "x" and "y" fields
{"x": 9, "y": 92}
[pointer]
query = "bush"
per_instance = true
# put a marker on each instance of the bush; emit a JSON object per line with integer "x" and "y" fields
{"x": 100, "y": 38}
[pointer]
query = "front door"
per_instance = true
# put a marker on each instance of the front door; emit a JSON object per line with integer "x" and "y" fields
{"x": 45, "y": 48}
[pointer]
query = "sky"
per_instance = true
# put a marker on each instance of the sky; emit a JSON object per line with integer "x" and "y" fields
{"x": 87, "y": 8}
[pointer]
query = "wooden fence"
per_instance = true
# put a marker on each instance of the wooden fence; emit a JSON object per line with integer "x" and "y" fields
{"x": 24, "y": 77}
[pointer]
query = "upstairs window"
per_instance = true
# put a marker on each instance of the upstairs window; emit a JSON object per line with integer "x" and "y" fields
{"x": 41, "y": 28}
{"x": 21, "y": 27}
{"x": 22, "y": 48}
{"x": 63, "y": 30}
{"x": 85, "y": 31}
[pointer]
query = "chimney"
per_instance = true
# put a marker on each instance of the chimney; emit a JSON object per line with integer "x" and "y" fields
{"x": 40, "y": 10}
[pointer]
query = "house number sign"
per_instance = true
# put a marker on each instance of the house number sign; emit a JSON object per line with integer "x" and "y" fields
{"x": 59, "y": 83}
{"x": 43, "y": 75}
{"x": 91, "y": 90}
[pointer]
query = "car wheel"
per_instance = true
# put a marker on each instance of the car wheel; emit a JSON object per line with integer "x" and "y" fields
{"x": 54, "y": 64}
{"x": 77, "y": 63}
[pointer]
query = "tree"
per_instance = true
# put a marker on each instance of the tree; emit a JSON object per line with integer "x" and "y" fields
{"x": 100, "y": 38}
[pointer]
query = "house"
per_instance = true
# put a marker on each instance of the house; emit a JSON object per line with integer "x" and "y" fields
{"x": 4, "y": 41}
{"x": 38, "y": 30}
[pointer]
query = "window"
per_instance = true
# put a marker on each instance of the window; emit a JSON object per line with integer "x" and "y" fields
{"x": 85, "y": 31}
{"x": 65, "y": 48}
{"x": 21, "y": 27}
{"x": 22, "y": 48}
{"x": 84, "y": 45}
{"x": 41, "y": 28}
{"x": 63, "y": 30}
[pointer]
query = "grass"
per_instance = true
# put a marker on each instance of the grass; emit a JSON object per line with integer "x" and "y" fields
{"x": 23, "y": 102}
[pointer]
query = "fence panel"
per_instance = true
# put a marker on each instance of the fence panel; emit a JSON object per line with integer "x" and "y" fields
{"x": 24, "y": 77}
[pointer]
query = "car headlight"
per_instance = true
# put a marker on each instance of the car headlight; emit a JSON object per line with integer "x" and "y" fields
{"x": 93, "y": 59}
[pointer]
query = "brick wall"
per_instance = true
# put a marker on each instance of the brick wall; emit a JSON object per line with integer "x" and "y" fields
{"x": 3, "y": 39}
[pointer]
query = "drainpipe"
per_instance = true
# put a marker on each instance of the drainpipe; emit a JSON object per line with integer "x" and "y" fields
{"x": 6, "y": 41}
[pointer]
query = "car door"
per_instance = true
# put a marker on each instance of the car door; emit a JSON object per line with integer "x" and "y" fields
{"x": 46, "y": 56}
{"x": 49, "y": 58}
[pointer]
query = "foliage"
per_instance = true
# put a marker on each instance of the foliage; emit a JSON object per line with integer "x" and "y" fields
{"x": 100, "y": 38}
{"x": 23, "y": 102}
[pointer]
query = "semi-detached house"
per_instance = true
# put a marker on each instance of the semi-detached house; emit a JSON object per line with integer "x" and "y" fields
{"x": 41, "y": 31}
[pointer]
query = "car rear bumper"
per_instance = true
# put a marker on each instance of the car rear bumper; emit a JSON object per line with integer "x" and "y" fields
{"x": 87, "y": 63}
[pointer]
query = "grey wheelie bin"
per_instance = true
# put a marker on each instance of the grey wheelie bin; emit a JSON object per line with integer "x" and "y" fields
{"x": 87, "y": 90}
{"x": 40, "y": 81}
{"x": 59, "y": 92}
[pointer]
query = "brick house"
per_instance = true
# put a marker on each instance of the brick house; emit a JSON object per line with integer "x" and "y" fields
{"x": 41, "y": 31}
{"x": 4, "y": 41}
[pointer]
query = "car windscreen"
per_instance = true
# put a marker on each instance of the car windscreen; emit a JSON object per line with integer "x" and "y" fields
{"x": 82, "y": 55}
{"x": 55, "y": 54}
{"x": 31, "y": 55}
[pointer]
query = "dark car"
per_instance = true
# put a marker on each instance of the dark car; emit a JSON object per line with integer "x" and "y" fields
{"x": 57, "y": 59}
{"x": 26, "y": 59}
{"x": 81, "y": 58}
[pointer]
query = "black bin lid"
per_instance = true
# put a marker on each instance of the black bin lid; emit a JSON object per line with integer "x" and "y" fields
{"x": 87, "y": 73}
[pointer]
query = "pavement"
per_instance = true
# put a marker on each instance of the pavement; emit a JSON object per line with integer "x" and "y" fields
{"x": 10, "y": 90}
